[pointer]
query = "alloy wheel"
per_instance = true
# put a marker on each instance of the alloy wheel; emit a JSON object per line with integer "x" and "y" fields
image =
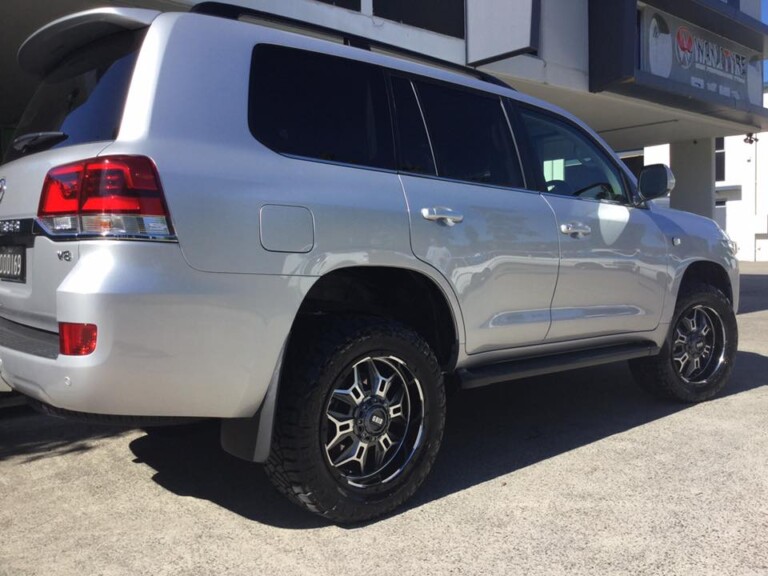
{"x": 374, "y": 421}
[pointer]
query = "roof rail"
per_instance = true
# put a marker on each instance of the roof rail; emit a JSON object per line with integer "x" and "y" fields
{"x": 234, "y": 12}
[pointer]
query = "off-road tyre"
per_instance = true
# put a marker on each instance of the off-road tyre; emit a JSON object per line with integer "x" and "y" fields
{"x": 703, "y": 319}
{"x": 326, "y": 354}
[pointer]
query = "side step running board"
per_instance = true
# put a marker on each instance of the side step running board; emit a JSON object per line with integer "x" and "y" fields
{"x": 494, "y": 373}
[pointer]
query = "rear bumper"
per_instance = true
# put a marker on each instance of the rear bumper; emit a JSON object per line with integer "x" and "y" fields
{"x": 28, "y": 340}
{"x": 172, "y": 341}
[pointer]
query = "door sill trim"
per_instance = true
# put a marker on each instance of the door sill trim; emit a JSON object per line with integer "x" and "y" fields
{"x": 478, "y": 376}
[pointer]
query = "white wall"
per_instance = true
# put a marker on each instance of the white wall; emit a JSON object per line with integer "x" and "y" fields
{"x": 563, "y": 58}
{"x": 751, "y": 8}
{"x": 656, "y": 155}
{"x": 739, "y": 191}
{"x": 498, "y": 27}
{"x": 364, "y": 24}
{"x": 745, "y": 190}
{"x": 746, "y": 182}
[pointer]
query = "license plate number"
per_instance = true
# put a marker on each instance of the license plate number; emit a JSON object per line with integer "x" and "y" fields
{"x": 13, "y": 263}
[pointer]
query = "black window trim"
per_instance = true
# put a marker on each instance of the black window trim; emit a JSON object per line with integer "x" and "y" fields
{"x": 516, "y": 107}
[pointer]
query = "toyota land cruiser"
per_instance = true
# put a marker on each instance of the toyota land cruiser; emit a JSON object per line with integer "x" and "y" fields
{"x": 205, "y": 217}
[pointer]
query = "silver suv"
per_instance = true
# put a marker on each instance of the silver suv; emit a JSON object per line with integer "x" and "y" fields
{"x": 205, "y": 217}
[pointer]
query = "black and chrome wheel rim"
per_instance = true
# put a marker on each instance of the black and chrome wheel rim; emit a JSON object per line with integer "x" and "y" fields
{"x": 373, "y": 422}
{"x": 698, "y": 349}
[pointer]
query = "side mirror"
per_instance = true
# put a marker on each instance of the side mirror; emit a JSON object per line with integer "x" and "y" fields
{"x": 655, "y": 181}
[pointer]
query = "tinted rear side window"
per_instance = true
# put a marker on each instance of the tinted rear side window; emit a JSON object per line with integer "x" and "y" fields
{"x": 414, "y": 152}
{"x": 319, "y": 106}
{"x": 84, "y": 96}
{"x": 470, "y": 136}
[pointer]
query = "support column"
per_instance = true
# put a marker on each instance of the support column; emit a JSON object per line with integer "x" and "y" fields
{"x": 693, "y": 163}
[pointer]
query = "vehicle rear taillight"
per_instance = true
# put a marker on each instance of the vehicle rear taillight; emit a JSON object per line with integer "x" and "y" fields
{"x": 113, "y": 196}
{"x": 77, "y": 339}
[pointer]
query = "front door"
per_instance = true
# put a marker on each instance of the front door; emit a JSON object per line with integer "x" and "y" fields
{"x": 613, "y": 258}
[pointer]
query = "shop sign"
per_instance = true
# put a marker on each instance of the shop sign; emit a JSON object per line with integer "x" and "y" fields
{"x": 682, "y": 52}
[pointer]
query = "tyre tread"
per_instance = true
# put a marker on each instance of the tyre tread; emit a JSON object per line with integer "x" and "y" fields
{"x": 654, "y": 374}
{"x": 317, "y": 342}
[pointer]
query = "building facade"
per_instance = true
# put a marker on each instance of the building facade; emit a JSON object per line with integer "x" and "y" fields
{"x": 687, "y": 73}
{"x": 741, "y": 190}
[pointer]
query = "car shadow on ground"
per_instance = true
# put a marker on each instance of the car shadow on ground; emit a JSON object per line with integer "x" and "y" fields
{"x": 490, "y": 432}
{"x": 27, "y": 436}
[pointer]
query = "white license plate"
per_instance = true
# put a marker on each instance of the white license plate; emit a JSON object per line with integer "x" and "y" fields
{"x": 13, "y": 265}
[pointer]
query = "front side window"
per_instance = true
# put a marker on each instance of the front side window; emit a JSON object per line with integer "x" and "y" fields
{"x": 470, "y": 136}
{"x": 570, "y": 163}
{"x": 319, "y": 106}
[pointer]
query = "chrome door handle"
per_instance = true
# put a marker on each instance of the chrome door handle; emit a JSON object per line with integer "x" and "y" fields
{"x": 576, "y": 229}
{"x": 443, "y": 215}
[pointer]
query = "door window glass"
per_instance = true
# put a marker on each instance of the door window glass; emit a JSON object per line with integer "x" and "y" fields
{"x": 470, "y": 136}
{"x": 414, "y": 151}
{"x": 570, "y": 163}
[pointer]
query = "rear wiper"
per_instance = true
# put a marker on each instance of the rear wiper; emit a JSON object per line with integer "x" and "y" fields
{"x": 37, "y": 141}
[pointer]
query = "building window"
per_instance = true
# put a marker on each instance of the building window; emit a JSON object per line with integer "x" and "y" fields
{"x": 442, "y": 16}
{"x": 348, "y": 4}
{"x": 719, "y": 159}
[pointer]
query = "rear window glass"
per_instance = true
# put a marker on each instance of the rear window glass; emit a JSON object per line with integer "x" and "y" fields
{"x": 318, "y": 106}
{"x": 83, "y": 97}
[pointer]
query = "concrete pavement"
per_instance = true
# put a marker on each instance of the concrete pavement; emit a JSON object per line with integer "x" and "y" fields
{"x": 578, "y": 473}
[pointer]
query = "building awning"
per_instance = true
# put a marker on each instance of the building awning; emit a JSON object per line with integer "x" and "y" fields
{"x": 701, "y": 56}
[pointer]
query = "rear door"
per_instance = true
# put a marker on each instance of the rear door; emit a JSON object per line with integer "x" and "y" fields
{"x": 613, "y": 257}
{"x": 471, "y": 216}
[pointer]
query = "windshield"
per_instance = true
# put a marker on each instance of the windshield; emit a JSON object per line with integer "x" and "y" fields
{"x": 81, "y": 100}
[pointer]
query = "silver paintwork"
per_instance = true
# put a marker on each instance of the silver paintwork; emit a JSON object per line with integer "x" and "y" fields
{"x": 501, "y": 261}
{"x": 158, "y": 318}
{"x": 612, "y": 280}
{"x": 198, "y": 328}
{"x": 50, "y": 43}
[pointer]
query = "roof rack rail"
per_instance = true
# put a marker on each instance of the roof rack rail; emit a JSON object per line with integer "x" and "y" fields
{"x": 234, "y": 12}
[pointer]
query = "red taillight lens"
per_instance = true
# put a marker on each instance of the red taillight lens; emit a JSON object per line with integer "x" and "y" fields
{"x": 77, "y": 339}
{"x": 109, "y": 196}
{"x": 61, "y": 190}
